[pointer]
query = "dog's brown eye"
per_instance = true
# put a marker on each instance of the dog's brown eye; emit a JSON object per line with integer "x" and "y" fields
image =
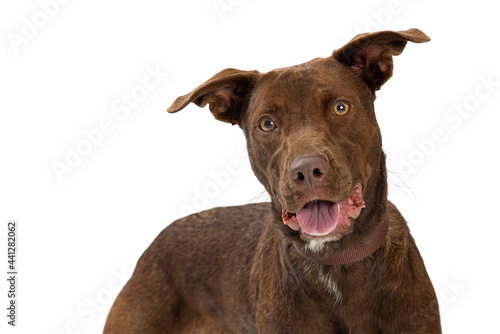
{"x": 267, "y": 125}
{"x": 341, "y": 108}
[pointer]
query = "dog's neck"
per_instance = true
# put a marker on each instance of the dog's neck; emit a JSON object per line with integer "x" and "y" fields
{"x": 348, "y": 254}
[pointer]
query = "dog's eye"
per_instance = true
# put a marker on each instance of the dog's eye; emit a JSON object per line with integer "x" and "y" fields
{"x": 341, "y": 108}
{"x": 266, "y": 124}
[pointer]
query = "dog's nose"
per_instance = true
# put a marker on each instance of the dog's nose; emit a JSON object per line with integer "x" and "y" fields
{"x": 308, "y": 171}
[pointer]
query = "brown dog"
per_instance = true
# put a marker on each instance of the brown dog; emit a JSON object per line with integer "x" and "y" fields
{"x": 329, "y": 254}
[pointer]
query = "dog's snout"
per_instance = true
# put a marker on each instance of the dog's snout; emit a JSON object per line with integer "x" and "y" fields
{"x": 308, "y": 171}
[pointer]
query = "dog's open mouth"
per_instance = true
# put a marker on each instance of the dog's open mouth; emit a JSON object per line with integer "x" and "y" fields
{"x": 320, "y": 217}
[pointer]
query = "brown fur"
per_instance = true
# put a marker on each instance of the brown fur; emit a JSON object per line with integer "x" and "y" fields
{"x": 235, "y": 269}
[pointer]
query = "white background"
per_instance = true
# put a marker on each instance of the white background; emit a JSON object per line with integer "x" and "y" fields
{"x": 65, "y": 72}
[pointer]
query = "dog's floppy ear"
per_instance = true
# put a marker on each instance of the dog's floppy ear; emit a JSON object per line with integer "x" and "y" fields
{"x": 226, "y": 93}
{"x": 370, "y": 55}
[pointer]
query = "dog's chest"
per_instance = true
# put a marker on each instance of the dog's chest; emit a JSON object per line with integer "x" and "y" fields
{"x": 330, "y": 286}
{"x": 341, "y": 285}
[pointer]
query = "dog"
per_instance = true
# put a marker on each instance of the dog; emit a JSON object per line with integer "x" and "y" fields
{"x": 329, "y": 253}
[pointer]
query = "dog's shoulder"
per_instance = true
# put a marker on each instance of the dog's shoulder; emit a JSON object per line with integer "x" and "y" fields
{"x": 398, "y": 235}
{"x": 398, "y": 228}
{"x": 401, "y": 249}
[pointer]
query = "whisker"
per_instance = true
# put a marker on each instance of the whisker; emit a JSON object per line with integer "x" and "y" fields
{"x": 405, "y": 187}
{"x": 258, "y": 197}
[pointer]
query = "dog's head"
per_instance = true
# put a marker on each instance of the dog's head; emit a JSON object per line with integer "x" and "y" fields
{"x": 312, "y": 136}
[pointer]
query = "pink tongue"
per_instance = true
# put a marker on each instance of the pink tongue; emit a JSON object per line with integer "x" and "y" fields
{"x": 319, "y": 217}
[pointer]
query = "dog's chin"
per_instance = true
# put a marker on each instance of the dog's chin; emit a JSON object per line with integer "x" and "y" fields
{"x": 320, "y": 221}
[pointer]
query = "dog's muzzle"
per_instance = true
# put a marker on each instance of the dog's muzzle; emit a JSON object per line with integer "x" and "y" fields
{"x": 320, "y": 217}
